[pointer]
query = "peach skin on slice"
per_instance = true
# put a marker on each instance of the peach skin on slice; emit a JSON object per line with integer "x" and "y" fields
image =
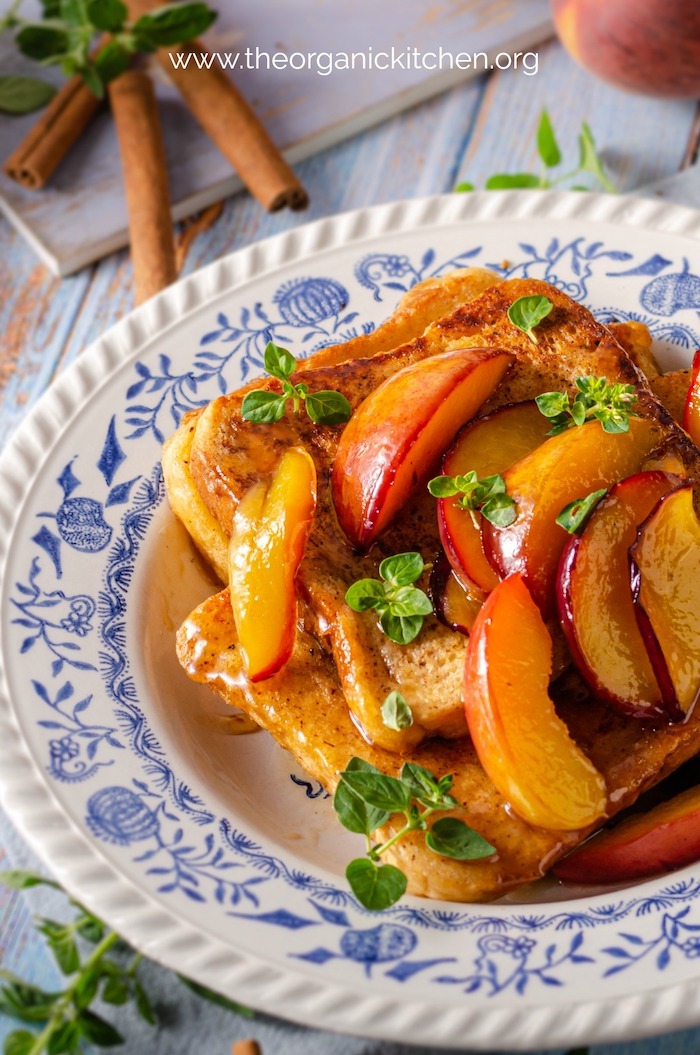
{"x": 487, "y": 446}
{"x": 270, "y": 529}
{"x": 691, "y": 411}
{"x": 524, "y": 747}
{"x": 595, "y": 599}
{"x": 665, "y": 562}
{"x": 455, "y": 605}
{"x": 396, "y": 436}
{"x": 645, "y": 844}
{"x": 564, "y": 468}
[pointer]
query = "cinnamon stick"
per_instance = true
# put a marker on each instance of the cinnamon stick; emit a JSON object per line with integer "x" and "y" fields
{"x": 133, "y": 102}
{"x": 63, "y": 121}
{"x": 231, "y": 123}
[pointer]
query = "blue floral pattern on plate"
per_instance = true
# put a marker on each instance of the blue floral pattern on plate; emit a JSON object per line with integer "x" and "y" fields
{"x": 78, "y": 670}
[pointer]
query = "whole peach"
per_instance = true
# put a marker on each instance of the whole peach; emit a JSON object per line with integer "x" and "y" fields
{"x": 647, "y": 46}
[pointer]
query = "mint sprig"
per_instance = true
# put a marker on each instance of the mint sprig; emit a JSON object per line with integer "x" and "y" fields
{"x": 66, "y": 33}
{"x": 324, "y": 408}
{"x": 549, "y": 151}
{"x": 96, "y": 963}
{"x": 575, "y": 515}
{"x": 365, "y": 799}
{"x": 487, "y": 496}
{"x": 401, "y": 605}
{"x": 610, "y": 404}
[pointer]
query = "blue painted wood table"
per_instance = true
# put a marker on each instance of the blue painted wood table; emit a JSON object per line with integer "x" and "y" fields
{"x": 484, "y": 126}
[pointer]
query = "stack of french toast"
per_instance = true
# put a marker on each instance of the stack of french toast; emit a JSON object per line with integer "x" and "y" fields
{"x": 324, "y": 700}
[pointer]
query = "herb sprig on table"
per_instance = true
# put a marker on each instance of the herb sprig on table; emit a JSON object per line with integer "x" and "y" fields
{"x": 401, "y": 605}
{"x": 65, "y": 37}
{"x": 326, "y": 407}
{"x": 365, "y": 799}
{"x": 63, "y": 1020}
{"x": 488, "y": 496}
{"x": 610, "y": 404}
{"x": 589, "y": 162}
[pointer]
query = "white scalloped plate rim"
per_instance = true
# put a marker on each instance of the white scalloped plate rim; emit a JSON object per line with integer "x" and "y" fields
{"x": 79, "y": 863}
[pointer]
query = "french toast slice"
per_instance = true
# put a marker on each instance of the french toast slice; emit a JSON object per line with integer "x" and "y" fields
{"x": 304, "y": 709}
{"x": 228, "y": 454}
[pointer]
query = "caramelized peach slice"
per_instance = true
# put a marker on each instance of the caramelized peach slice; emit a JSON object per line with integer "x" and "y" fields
{"x": 455, "y": 605}
{"x": 396, "y": 436}
{"x": 646, "y": 844}
{"x": 488, "y": 446}
{"x": 666, "y": 590}
{"x": 565, "y": 467}
{"x": 691, "y": 411}
{"x": 270, "y": 528}
{"x": 595, "y": 599}
{"x": 524, "y": 747}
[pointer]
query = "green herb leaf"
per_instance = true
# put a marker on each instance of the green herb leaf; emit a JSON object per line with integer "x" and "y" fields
{"x": 19, "y": 1042}
{"x": 443, "y": 487}
{"x": 590, "y": 161}
{"x": 107, "y": 15}
{"x": 423, "y": 786}
{"x": 365, "y": 594}
{"x": 514, "y": 181}
{"x": 612, "y": 405}
{"x": 115, "y": 991}
{"x": 396, "y": 713}
{"x": 408, "y": 600}
{"x": 98, "y": 1031}
{"x": 143, "y": 1004}
{"x": 328, "y": 408}
{"x": 26, "y": 1002}
{"x": 21, "y": 95}
{"x": 387, "y": 794}
{"x": 402, "y": 569}
{"x": 575, "y": 515}
{"x": 499, "y": 510}
{"x": 42, "y": 42}
{"x": 401, "y": 628}
{"x": 547, "y": 146}
{"x": 464, "y": 188}
{"x": 18, "y": 879}
{"x": 528, "y": 312}
{"x": 90, "y": 927}
{"x": 60, "y": 940}
{"x": 213, "y": 998}
{"x": 173, "y": 24}
{"x": 112, "y": 61}
{"x": 451, "y": 837}
{"x": 65, "y": 1040}
{"x": 261, "y": 406}
{"x": 278, "y": 361}
{"x": 86, "y": 986}
{"x": 353, "y": 812}
{"x": 376, "y": 887}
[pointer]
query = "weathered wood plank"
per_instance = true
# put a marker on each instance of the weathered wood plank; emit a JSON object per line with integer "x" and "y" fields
{"x": 641, "y": 138}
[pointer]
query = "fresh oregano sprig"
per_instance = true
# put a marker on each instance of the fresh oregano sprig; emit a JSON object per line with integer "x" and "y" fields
{"x": 487, "y": 496}
{"x": 575, "y": 515}
{"x": 528, "y": 312}
{"x": 610, "y": 404}
{"x": 63, "y": 1021}
{"x": 589, "y": 162}
{"x": 65, "y": 37}
{"x": 365, "y": 799}
{"x": 324, "y": 408}
{"x": 401, "y": 605}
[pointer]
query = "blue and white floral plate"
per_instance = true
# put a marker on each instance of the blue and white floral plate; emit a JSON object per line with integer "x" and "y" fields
{"x": 211, "y": 852}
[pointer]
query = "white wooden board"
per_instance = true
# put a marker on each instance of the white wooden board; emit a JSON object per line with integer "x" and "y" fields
{"x": 81, "y": 215}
